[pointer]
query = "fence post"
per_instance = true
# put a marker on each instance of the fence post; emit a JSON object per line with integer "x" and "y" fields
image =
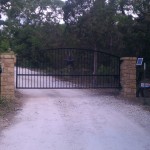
{"x": 128, "y": 76}
{"x": 7, "y": 76}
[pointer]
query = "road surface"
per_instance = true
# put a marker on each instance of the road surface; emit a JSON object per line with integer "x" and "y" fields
{"x": 76, "y": 120}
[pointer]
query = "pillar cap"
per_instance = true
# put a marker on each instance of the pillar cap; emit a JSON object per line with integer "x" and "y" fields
{"x": 128, "y": 58}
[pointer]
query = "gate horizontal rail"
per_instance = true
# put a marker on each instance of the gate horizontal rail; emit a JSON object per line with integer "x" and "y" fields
{"x": 66, "y": 75}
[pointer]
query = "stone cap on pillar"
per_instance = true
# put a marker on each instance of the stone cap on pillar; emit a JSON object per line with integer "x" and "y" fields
{"x": 128, "y": 58}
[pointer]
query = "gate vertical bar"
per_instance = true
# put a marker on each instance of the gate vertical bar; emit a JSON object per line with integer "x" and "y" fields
{"x": 16, "y": 71}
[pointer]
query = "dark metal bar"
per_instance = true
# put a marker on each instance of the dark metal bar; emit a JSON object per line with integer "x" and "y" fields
{"x": 16, "y": 72}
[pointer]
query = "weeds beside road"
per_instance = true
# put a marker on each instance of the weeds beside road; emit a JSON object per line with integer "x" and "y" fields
{"x": 8, "y": 108}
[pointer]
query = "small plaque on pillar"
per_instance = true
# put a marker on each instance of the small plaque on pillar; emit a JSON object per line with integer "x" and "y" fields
{"x": 139, "y": 62}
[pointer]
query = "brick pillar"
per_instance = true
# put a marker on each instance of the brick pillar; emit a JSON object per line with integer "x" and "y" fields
{"x": 128, "y": 76}
{"x": 7, "y": 77}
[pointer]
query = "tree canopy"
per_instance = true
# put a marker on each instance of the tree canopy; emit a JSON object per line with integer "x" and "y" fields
{"x": 120, "y": 27}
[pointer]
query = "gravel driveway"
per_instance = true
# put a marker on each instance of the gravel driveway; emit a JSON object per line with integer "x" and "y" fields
{"x": 77, "y": 120}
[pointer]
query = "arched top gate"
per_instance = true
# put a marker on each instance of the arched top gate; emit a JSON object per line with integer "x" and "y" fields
{"x": 65, "y": 68}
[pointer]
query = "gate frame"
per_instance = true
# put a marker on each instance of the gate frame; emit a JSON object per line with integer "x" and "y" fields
{"x": 116, "y": 74}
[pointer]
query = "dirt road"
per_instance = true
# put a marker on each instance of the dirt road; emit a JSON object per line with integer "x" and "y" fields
{"x": 76, "y": 120}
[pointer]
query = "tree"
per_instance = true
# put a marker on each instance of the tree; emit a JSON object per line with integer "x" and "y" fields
{"x": 35, "y": 12}
{"x": 97, "y": 26}
{"x": 74, "y": 9}
{"x": 142, "y": 27}
{"x": 31, "y": 38}
{"x": 3, "y": 6}
{"x": 142, "y": 30}
{"x": 31, "y": 21}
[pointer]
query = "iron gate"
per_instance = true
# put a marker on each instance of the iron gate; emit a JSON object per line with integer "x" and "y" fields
{"x": 67, "y": 68}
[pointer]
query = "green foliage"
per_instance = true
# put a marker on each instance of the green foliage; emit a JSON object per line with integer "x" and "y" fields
{"x": 28, "y": 39}
{"x": 105, "y": 70}
{"x": 96, "y": 28}
{"x": 110, "y": 26}
{"x": 4, "y": 45}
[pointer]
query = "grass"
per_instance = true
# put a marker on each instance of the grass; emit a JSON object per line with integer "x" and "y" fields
{"x": 4, "y": 102}
{"x": 7, "y": 105}
{"x": 8, "y": 108}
